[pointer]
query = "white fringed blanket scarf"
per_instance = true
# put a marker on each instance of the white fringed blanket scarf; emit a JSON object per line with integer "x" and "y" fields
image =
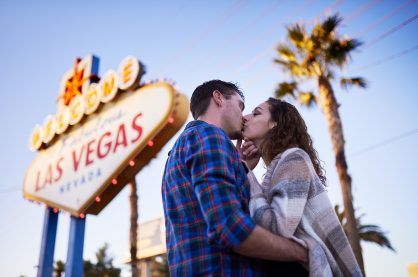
{"x": 292, "y": 202}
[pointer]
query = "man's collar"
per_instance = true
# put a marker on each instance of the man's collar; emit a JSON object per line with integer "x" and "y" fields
{"x": 195, "y": 123}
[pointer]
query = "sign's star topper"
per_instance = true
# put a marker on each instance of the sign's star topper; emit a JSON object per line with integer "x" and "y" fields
{"x": 73, "y": 85}
{"x": 77, "y": 79}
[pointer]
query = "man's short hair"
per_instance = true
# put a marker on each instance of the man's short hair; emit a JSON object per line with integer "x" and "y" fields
{"x": 203, "y": 93}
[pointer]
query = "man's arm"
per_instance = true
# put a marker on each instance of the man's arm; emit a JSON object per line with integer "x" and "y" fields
{"x": 264, "y": 245}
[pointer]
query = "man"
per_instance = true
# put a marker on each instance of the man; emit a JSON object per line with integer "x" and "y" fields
{"x": 205, "y": 195}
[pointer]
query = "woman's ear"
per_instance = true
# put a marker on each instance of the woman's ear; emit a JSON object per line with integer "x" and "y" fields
{"x": 272, "y": 124}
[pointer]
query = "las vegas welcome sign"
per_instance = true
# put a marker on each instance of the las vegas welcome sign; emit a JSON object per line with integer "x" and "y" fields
{"x": 104, "y": 132}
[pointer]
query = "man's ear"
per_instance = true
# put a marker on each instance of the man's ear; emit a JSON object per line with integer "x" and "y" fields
{"x": 217, "y": 97}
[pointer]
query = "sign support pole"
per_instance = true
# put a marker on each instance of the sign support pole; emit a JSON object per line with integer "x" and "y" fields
{"x": 46, "y": 257}
{"x": 74, "y": 264}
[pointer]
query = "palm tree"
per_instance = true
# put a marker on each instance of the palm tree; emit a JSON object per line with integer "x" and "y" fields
{"x": 315, "y": 57}
{"x": 368, "y": 232}
{"x": 133, "y": 231}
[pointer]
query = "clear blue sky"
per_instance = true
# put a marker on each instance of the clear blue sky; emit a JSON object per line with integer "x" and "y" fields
{"x": 191, "y": 42}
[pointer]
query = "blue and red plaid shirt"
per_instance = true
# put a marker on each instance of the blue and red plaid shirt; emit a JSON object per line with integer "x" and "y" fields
{"x": 205, "y": 196}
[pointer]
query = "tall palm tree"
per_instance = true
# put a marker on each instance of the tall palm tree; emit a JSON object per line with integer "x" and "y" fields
{"x": 369, "y": 232}
{"x": 133, "y": 230}
{"x": 316, "y": 57}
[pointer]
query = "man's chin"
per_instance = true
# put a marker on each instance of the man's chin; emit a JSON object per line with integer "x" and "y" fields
{"x": 236, "y": 135}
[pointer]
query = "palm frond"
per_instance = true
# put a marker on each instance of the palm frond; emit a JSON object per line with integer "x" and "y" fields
{"x": 330, "y": 74}
{"x": 346, "y": 83}
{"x": 338, "y": 51}
{"x": 307, "y": 98}
{"x": 298, "y": 70}
{"x": 286, "y": 53}
{"x": 317, "y": 31}
{"x": 310, "y": 47}
{"x": 312, "y": 65}
{"x": 282, "y": 63}
{"x": 286, "y": 88}
{"x": 376, "y": 235}
{"x": 367, "y": 232}
{"x": 292, "y": 67}
{"x": 296, "y": 34}
{"x": 331, "y": 23}
{"x": 350, "y": 44}
{"x": 323, "y": 33}
{"x": 340, "y": 214}
{"x": 367, "y": 227}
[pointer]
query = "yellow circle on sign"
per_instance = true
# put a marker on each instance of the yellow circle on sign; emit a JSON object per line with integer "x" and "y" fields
{"x": 108, "y": 86}
{"x": 77, "y": 108}
{"x": 62, "y": 119}
{"x": 49, "y": 129}
{"x": 35, "y": 140}
{"x": 128, "y": 72}
{"x": 92, "y": 98}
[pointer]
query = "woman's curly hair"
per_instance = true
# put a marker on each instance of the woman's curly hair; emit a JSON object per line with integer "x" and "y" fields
{"x": 290, "y": 131}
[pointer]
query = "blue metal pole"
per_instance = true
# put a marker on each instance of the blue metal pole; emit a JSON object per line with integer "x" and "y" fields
{"x": 46, "y": 257}
{"x": 74, "y": 264}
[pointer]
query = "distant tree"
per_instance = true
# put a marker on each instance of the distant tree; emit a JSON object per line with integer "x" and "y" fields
{"x": 59, "y": 269}
{"x": 89, "y": 268}
{"x": 159, "y": 267}
{"x": 102, "y": 268}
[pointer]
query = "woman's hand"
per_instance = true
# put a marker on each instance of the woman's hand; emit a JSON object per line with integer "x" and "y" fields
{"x": 249, "y": 153}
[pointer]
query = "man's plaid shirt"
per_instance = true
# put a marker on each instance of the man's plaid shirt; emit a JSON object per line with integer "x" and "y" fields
{"x": 205, "y": 196}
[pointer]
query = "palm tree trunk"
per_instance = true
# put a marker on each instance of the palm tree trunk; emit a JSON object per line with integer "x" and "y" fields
{"x": 330, "y": 107}
{"x": 133, "y": 231}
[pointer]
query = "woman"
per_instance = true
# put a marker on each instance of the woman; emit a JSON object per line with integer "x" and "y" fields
{"x": 292, "y": 201}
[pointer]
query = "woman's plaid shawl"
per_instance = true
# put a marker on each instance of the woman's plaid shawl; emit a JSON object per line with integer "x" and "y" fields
{"x": 292, "y": 202}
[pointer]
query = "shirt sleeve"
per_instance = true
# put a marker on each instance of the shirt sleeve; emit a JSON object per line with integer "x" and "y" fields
{"x": 210, "y": 159}
{"x": 288, "y": 194}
